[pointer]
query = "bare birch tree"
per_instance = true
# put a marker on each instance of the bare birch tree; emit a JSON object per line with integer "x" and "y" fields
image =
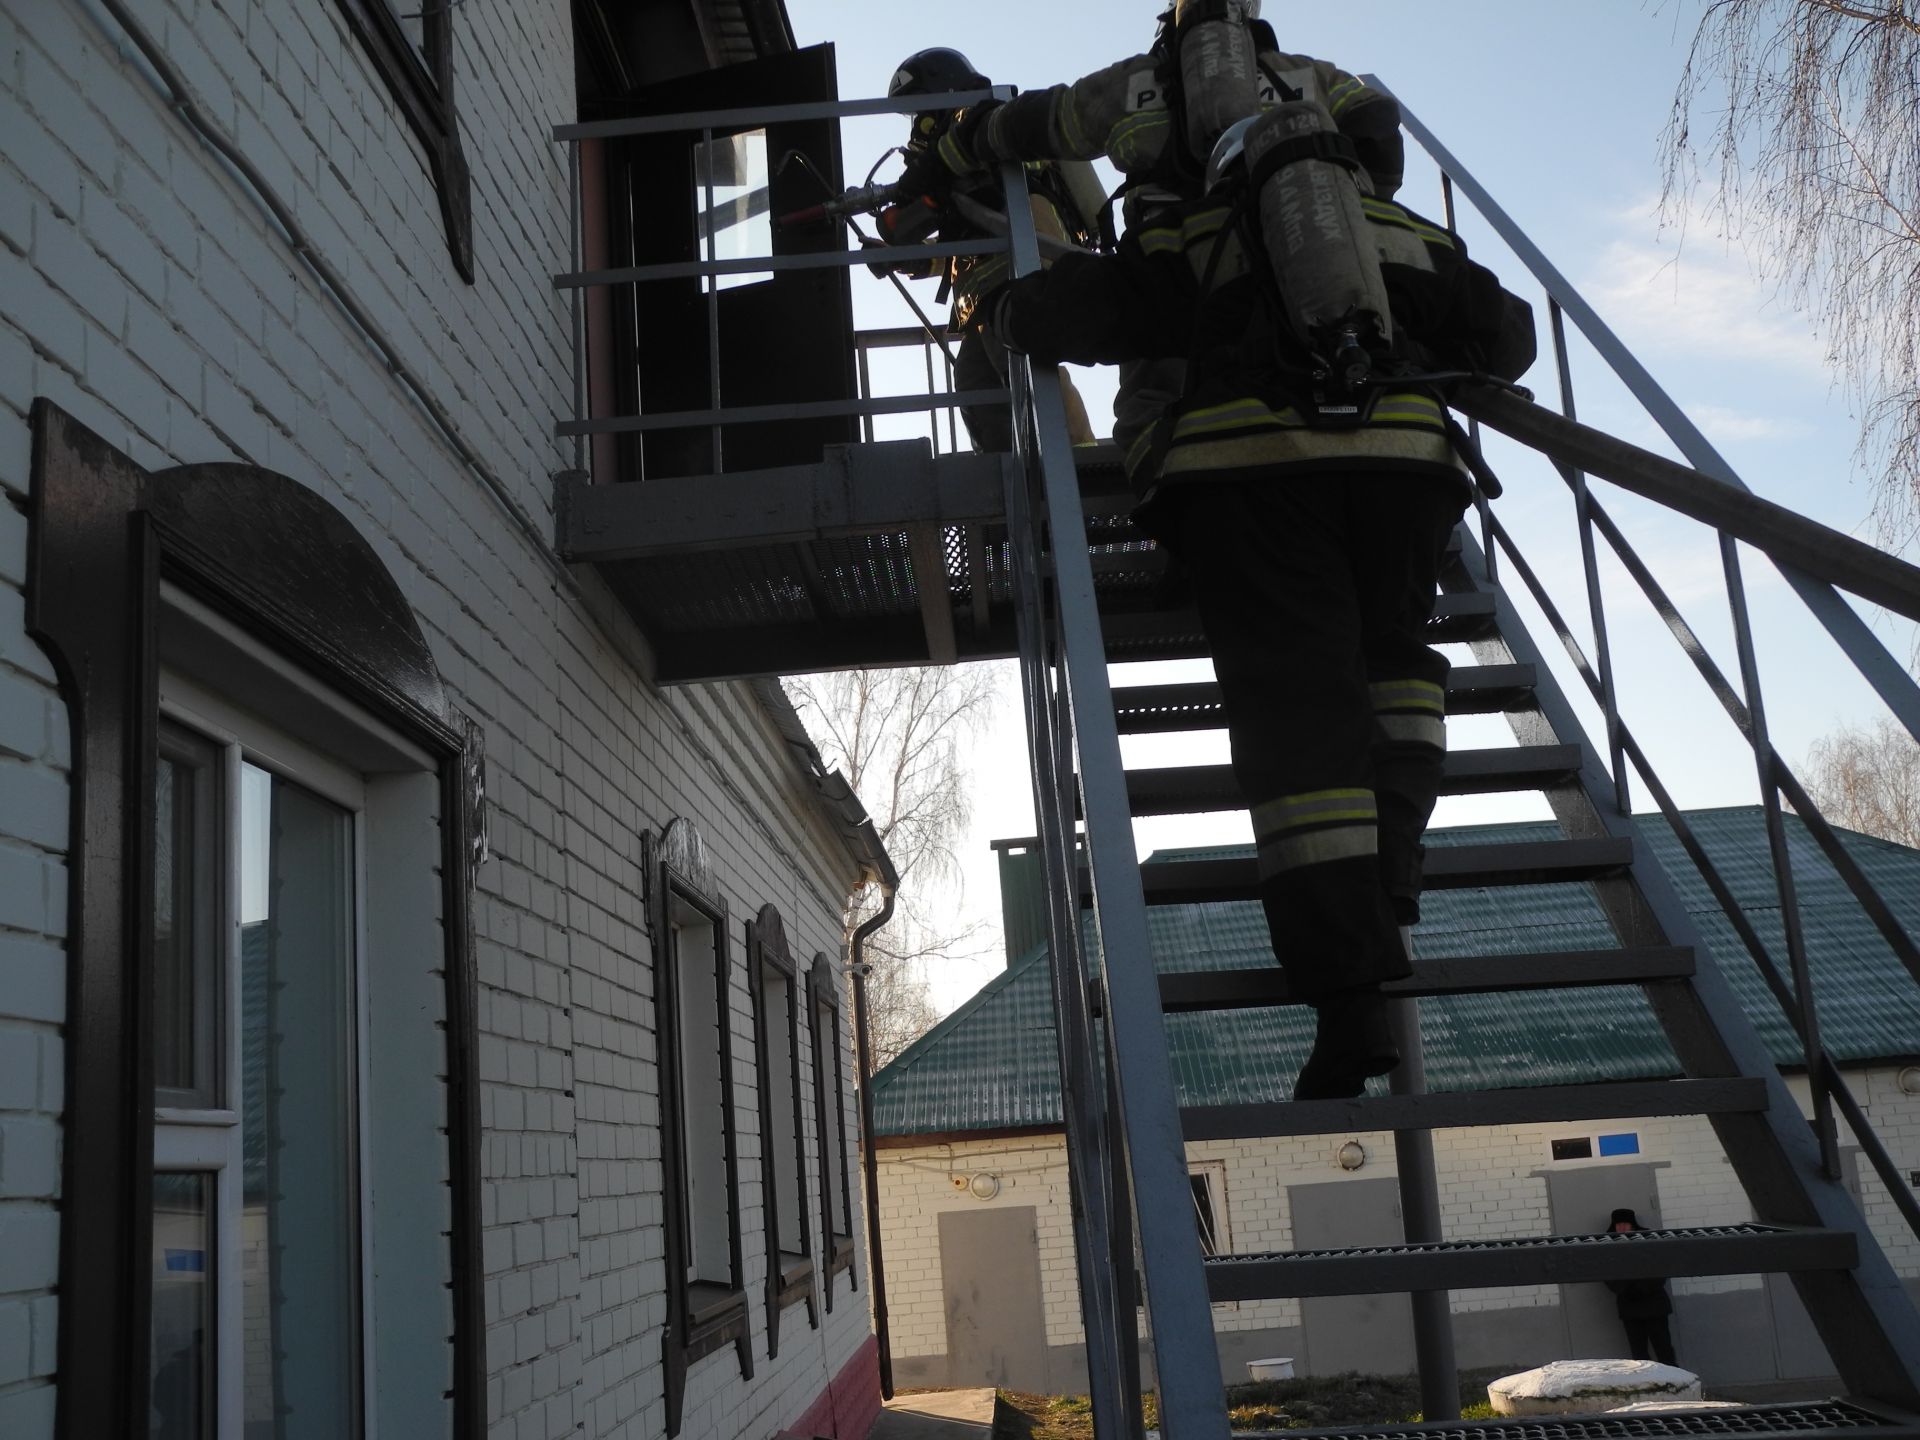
{"x": 1812, "y": 144}
{"x": 1867, "y": 778}
{"x": 899, "y": 737}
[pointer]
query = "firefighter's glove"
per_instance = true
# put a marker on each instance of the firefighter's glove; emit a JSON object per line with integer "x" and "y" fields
{"x": 960, "y": 147}
{"x": 925, "y": 175}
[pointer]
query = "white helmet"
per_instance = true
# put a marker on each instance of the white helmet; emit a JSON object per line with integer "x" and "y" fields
{"x": 1229, "y": 153}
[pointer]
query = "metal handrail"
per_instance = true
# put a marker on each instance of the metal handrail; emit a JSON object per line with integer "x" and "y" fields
{"x": 1830, "y": 1075}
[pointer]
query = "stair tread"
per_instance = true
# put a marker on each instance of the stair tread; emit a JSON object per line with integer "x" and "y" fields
{"x": 1248, "y": 988}
{"x": 1529, "y": 1260}
{"x": 1134, "y": 635}
{"x": 1451, "y": 867}
{"x": 1460, "y": 1110}
{"x": 1189, "y": 789}
{"x": 1797, "y": 1418}
{"x": 1152, "y": 709}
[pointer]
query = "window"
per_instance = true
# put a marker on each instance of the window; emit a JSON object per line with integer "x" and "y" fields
{"x": 410, "y": 44}
{"x": 776, "y": 1015}
{"x": 706, "y": 1294}
{"x": 830, "y": 1110}
{"x": 1209, "y": 1184}
{"x": 731, "y": 200}
{"x": 1579, "y": 1147}
{"x": 257, "y": 1236}
{"x": 271, "y": 1220}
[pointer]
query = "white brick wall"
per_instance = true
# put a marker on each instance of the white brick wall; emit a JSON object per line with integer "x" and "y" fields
{"x": 148, "y": 296}
{"x": 1490, "y": 1185}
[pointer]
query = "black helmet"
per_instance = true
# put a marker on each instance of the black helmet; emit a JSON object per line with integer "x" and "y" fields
{"x": 936, "y": 72}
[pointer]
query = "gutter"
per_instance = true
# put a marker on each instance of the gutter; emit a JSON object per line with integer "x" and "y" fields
{"x": 863, "y": 844}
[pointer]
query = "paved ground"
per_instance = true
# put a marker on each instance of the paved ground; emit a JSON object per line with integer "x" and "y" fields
{"x": 936, "y": 1415}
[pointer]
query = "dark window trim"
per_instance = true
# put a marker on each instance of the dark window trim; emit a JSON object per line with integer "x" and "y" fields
{"x": 276, "y": 559}
{"x": 701, "y": 1318}
{"x": 787, "y": 1284}
{"x": 422, "y": 86}
{"x": 828, "y": 1059}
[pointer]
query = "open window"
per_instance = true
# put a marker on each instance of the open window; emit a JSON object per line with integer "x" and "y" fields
{"x": 783, "y": 1152}
{"x": 830, "y": 1123}
{"x": 693, "y": 987}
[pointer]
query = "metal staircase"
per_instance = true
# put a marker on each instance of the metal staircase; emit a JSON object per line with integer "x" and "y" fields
{"x": 891, "y": 554}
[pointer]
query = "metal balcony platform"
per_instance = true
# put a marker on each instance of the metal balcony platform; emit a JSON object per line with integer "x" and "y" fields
{"x": 882, "y": 554}
{"x": 1192, "y": 789}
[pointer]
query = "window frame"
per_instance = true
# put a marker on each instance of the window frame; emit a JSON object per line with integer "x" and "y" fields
{"x": 696, "y": 1327}
{"x": 199, "y": 1139}
{"x": 282, "y": 566}
{"x": 786, "y": 1285}
{"x": 420, "y": 80}
{"x": 829, "y": 1058}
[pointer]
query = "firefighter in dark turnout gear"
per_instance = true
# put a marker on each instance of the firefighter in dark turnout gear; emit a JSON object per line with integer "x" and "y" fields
{"x": 979, "y": 362}
{"x": 1132, "y": 113}
{"x": 1313, "y": 533}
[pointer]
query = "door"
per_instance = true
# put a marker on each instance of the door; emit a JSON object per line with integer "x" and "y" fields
{"x": 990, "y": 1281}
{"x": 1582, "y": 1202}
{"x": 1369, "y": 1333}
{"x": 783, "y": 337}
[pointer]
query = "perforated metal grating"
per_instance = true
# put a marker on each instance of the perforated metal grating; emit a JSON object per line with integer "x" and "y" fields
{"x": 1531, "y": 1242}
{"x": 1796, "y": 1419}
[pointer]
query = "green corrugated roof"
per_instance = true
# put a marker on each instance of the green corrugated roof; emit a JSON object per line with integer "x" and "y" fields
{"x": 991, "y": 1064}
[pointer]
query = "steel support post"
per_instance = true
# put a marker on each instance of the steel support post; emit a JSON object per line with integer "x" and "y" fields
{"x": 1420, "y": 1218}
{"x": 1186, "y": 1357}
{"x": 1089, "y": 1194}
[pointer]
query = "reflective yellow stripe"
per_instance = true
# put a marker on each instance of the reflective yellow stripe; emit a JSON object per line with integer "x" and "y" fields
{"x": 1292, "y": 444}
{"x": 1236, "y": 415}
{"x": 1345, "y": 94}
{"x": 1140, "y": 449}
{"x": 1315, "y": 807}
{"x": 1408, "y": 695}
{"x": 1127, "y": 141}
{"x": 1385, "y": 212}
{"x": 1414, "y": 729}
{"x": 1067, "y": 122}
{"x": 1318, "y": 847}
{"x": 1161, "y": 242}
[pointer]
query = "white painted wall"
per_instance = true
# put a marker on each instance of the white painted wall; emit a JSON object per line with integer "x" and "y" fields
{"x": 1489, "y": 1183}
{"x": 146, "y": 294}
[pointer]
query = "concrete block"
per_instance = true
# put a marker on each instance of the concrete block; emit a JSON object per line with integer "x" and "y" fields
{"x": 64, "y": 256}
{"x": 19, "y": 1068}
{"x": 32, "y": 971}
{"x": 16, "y": 1342}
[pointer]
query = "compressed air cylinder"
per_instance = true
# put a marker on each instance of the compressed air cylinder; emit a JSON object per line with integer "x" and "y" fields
{"x": 1219, "y": 70}
{"x": 1317, "y": 236}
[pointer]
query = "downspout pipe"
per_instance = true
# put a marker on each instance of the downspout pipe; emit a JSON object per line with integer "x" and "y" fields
{"x": 869, "y": 1152}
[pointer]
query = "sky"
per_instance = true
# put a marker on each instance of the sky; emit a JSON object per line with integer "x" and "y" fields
{"x": 1557, "y": 108}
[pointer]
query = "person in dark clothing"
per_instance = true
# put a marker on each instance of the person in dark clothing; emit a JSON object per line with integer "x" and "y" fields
{"x": 1313, "y": 535}
{"x": 1644, "y": 1305}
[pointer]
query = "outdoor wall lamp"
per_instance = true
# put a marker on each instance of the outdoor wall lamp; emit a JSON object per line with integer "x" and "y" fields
{"x": 1352, "y": 1155}
{"x": 1909, "y": 1080}
{"x": 984, "y": 1186}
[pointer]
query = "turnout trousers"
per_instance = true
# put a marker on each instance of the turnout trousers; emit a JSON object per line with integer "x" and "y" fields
{"x": 1315, "y": 592}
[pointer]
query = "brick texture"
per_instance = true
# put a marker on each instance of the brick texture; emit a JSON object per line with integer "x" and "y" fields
{"x": 149, "y": 295}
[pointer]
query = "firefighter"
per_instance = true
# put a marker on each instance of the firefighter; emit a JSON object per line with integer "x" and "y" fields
{"x": 980, "y": 363}
{"x": 1133, "y": 112}
{"x": 1312, "y": 523}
